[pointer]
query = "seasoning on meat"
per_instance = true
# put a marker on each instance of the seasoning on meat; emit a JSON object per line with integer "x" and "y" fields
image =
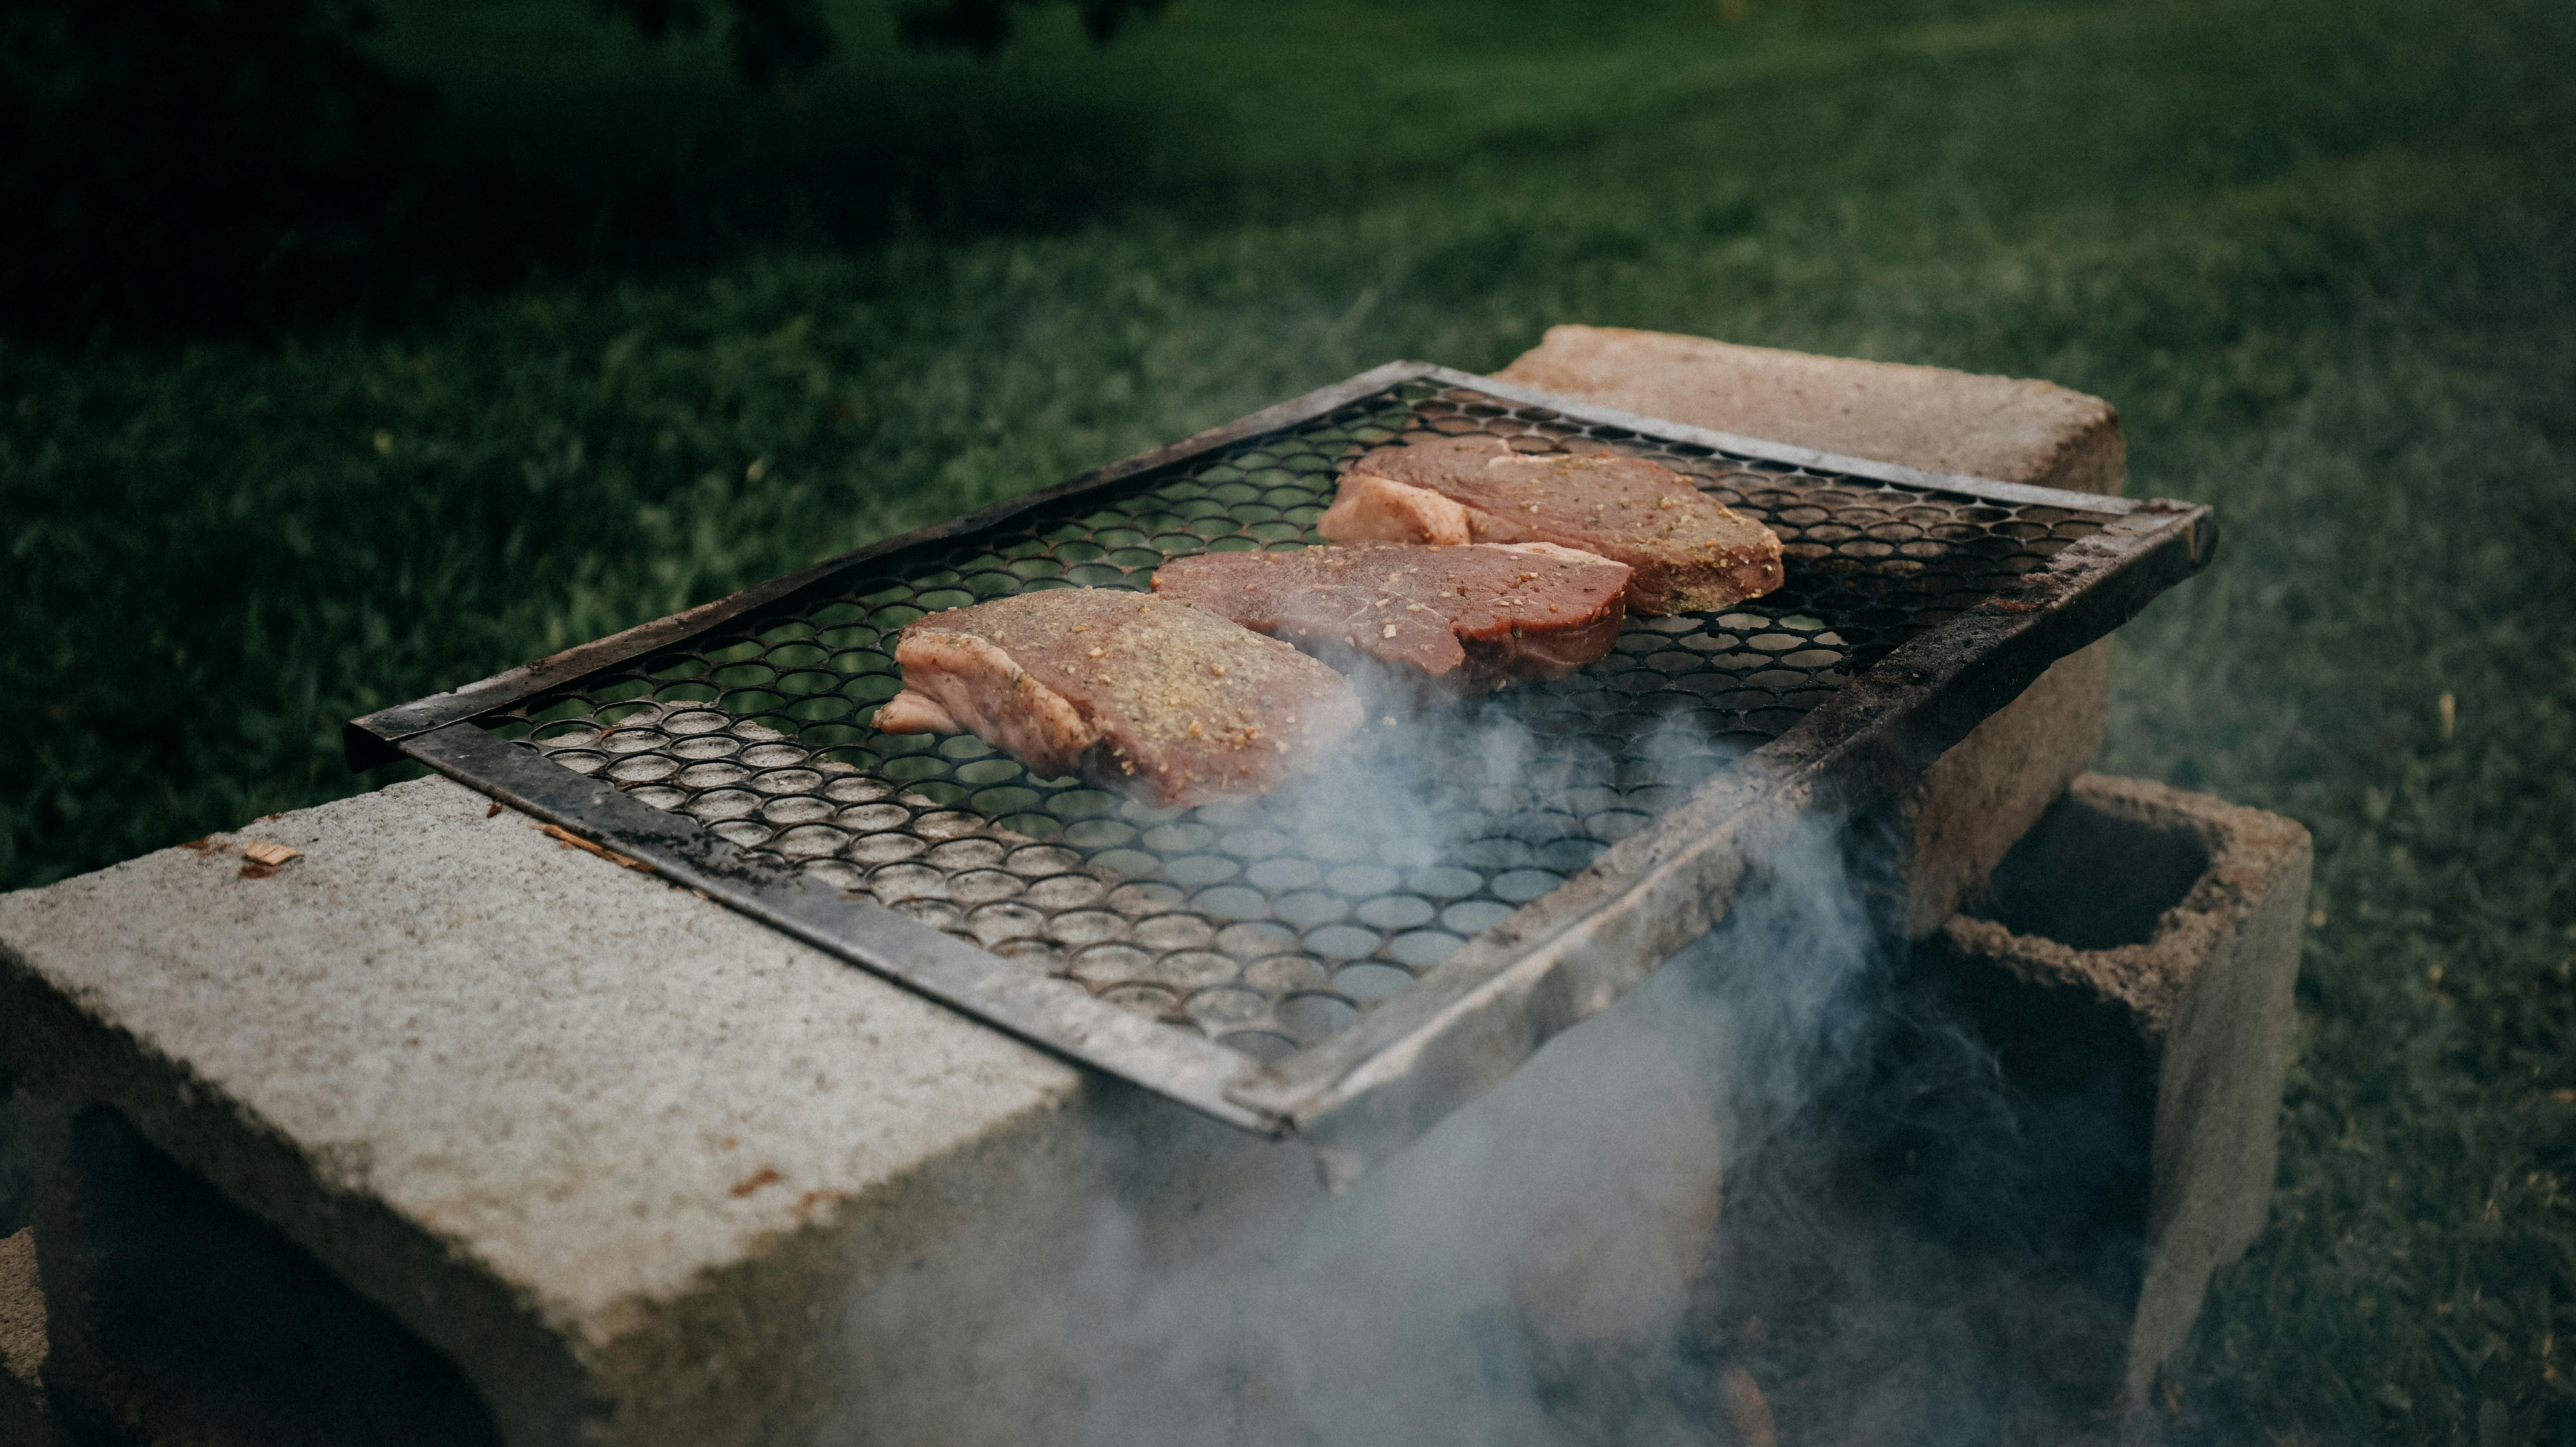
{"x": 1688, "y": 552}
{"x": 1151, "y": 697}
{"x": 1467, "y": 619}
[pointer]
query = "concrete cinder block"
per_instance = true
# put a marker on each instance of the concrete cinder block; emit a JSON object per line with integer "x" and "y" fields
{"x": 570, "y": 1126}
{"x": 1981, "y": 795}
{"x": 2182, "y": 916}
{"x": 1933, "y": 418}
{"x": 646, "y": 1172}
{"x": 1984, "y": 794}
{"x": 25, "y": 1418}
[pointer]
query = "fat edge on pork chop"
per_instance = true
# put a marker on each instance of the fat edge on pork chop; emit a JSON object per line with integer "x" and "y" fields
{"x": 1153, "y": 698}
{"x": 1464, "y": 620}
{"x": 1688, "y": 552}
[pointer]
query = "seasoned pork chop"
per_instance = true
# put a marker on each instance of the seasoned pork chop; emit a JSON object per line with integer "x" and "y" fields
{"x": 1151, "y": 697}
{"x": 1688, "y": 553}
{"x": 1469, "y": 619}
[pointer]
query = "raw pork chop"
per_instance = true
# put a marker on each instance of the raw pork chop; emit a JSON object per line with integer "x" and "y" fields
{"x": 1688, "y": 552}
{"x": 1151, "y": 697}
{"x": 1468, "y": 618}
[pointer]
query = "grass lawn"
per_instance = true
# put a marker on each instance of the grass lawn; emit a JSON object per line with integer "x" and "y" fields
{"x": 2317, "y": 253}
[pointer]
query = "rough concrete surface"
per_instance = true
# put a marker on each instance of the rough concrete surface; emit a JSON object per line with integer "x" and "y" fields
{"x": 2209, "y": 989}
{"x": 1933, "y": 418}
{"x": 1987, "y": 790}
{"x": 24, "y": 1420}
{"x": 651, "y": 1174}
{"x": 579, "y": 1130}
{"x": 1979, "y": 798}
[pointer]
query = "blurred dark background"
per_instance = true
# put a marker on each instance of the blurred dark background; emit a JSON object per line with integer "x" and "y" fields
{"x": 192, "y": 165}
{"x": 350, "y": 353}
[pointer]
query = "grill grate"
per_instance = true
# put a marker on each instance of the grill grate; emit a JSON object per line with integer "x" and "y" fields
{"x": 1272, "y": 923}
{"x": 1278, "y": 927}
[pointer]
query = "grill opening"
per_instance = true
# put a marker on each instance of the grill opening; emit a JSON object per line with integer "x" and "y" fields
{"x": 1273, "y": 923}
{"x": 207, "y": 1323}
{"x": 2091, "y": 880}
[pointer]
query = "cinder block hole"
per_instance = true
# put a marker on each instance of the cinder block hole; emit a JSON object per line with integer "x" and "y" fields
{"x": 1959, "y": 1226}
{"x": 2050, "y": 1151}
{"x": 2091, "y": 880}
{"x": 200, "y": 1323}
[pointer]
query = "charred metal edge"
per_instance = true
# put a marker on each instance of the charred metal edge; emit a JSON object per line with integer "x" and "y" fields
{"x": 1363, "y": 1094}
{"x": 1045, "y": 1012}
{"x": 2018, "y": 494}
{"x": 369, "y": 741}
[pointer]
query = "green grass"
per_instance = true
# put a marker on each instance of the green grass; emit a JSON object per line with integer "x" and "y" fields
{"x": 2315, "y": 252}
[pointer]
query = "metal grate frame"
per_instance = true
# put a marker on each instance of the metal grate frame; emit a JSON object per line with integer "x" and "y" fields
{"x": 1273, "y": 962}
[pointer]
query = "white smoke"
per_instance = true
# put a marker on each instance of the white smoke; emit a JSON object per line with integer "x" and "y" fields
{"x": 1527, "y": 1273}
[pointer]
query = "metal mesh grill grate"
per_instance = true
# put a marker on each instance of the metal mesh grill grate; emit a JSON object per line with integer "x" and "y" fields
{"x": 1272, "y": 923}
